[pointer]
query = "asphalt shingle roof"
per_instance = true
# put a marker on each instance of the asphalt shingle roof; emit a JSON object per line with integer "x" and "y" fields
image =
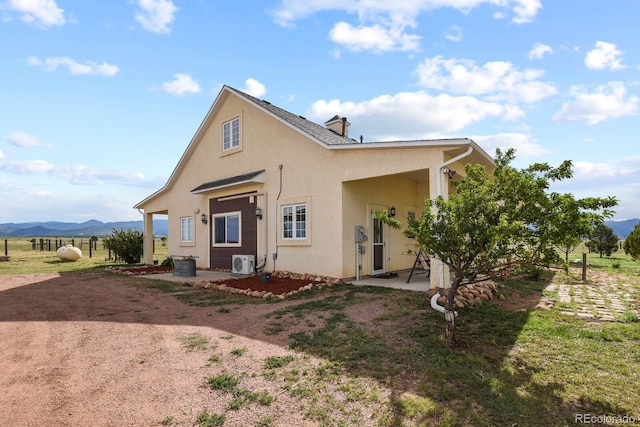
{"x": 315, "y": 130}
{"x": 227, "y": 181}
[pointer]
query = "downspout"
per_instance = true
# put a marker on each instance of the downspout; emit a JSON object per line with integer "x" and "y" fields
{"x": 439, "y": 184}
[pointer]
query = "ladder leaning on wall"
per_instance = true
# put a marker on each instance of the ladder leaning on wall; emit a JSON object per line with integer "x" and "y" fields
{"x": 422, "y": 265}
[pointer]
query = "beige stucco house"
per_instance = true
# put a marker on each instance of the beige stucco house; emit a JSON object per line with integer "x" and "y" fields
{"x": 260, "y": 181}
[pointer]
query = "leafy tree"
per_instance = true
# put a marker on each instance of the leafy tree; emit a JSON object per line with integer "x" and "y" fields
{"x": 602, "y": 240}
{"x": 573, "y": 225}
{"x": 495, "y": 223}
{"x": 126, "y": 244}
{"x": 632, "y": 243}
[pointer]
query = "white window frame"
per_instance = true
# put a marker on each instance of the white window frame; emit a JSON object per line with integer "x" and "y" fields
{"x": 226, "y": 244}
{"x": 231, "y": 134}
{"x": 186, "y": 229}
{"x": 295, "y": 235}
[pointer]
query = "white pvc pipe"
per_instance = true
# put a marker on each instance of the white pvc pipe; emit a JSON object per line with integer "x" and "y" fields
{"x": 438, "y": 307}
{"x": 434, "y": 303}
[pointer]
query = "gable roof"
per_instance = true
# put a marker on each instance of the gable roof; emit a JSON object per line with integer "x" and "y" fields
{"x": 316, "y": 131}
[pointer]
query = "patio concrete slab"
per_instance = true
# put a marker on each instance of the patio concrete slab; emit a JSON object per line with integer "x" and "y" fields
{"x": 201, "y": 276}
{"x": 419, "y": 282}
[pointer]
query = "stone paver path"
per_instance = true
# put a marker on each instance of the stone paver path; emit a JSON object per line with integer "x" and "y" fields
{"x": 602, "y": 298}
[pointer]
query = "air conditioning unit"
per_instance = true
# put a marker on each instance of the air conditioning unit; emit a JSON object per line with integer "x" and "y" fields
{"x": 242, "y": 264}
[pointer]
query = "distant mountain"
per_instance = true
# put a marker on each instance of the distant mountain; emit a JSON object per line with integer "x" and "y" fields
{"x": 622, "y": 228}
{"x": 73, "y": 229}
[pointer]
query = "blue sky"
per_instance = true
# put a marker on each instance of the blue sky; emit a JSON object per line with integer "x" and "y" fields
{"x": 99, "y": 99}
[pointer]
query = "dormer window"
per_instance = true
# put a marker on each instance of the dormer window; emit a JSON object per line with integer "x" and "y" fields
{"x": 231, "y": 134}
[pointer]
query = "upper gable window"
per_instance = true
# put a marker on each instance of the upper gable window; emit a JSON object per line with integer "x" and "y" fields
{"x": 231, "y": 134}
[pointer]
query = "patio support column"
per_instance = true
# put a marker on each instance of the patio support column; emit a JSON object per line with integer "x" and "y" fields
{"x": 147, "y": 249}
{"x": 438, "y": 186}
{"x": 442, "y": 188}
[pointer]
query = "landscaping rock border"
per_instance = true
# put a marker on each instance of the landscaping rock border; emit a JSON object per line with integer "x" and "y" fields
{"x": 472, "y": 294}
{"x": 313, "y": 282}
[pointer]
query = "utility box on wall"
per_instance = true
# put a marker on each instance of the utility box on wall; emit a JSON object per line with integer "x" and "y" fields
{"x": 360, "y": 236}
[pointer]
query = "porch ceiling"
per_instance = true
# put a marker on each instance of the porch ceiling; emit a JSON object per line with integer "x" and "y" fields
{"x": 421, "y": 175}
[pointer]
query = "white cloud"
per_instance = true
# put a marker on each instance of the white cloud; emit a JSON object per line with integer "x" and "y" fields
{"x": 23, "y": 139}
{"x": 526, "y": 10}
{"x": 609, "y": 101}
{"x": 42, "y": 13}
{"x": 604, "y": 55}
{"x": 75, "y": 68}
{"x": 382, "y": 24}
{"x": 27, "y": 166}
{"x": 1, "y": 155}
{"x": 524, "y": 144}
{"x": 289, "y": 11}
{"x": 156, "y": 15}
{"x": 377, "y": 38}
{"x": 539, "y": 50}
{"x": 181, "y": 85}
{"x": 408, "y": 115}
{"x": 254, "y": 88}
{"x": 454, "y": 34}
{"x": 76, "y": 174}
{"x": 498, "y": 80}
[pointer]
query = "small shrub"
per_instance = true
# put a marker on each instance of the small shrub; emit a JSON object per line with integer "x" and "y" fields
{"x": 194, "y": 341}
{"x": 168, "y": 421}
{"x": 238, "y": 351}
{"x": 274, "y": 362}
{"x": 205, "y": 419}
{"x": 615, "y": 264}
{"x": 266, "y": 422}
{"x": 126, "y": 244}
{"x": 223, "y": 382}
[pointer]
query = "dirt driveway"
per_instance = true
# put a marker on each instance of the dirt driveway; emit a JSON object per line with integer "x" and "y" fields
{"x": 86, "y": 349}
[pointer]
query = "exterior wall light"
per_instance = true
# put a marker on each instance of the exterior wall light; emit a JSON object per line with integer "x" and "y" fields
{"x": 258, "y": 212}
{"x": 203, "y": 218}
{"x": 449, "y": 172}
{"x": 392, "y": 212}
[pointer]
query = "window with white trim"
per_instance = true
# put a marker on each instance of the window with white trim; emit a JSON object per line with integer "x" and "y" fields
{"x": 227, "y": 229}
{"x": 231, "y": 134}
{"x": 294, "y": 221}
{"x": 186, "y": 229}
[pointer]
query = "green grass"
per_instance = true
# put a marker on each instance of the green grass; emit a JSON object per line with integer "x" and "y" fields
{"x": 205, "y": 419}
{"x": 25, "y": 260}
{"x": 194, "y": 341}
{"x": 241, "y": 396}
{"x": 512, "y": 367}
{"x": 524, "y": 367}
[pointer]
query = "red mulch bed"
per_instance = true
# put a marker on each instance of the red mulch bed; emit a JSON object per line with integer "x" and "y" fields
{"x": 278, "y": 285}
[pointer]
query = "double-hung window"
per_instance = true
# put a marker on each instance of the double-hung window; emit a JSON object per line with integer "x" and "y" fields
{"x": 294, "y": 221}
{"x": 227, "y": 229}
{"x": 231, "y": 134}
{"x": 186, "y": 229}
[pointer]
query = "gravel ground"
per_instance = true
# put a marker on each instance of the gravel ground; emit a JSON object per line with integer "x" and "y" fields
{"x": 88, "y": 349}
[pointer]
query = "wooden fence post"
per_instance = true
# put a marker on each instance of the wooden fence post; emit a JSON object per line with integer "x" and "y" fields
{"x": 584, "y": 267}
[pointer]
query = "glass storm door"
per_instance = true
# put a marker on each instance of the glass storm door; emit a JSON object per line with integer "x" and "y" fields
{"x": 377, "y": 242}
